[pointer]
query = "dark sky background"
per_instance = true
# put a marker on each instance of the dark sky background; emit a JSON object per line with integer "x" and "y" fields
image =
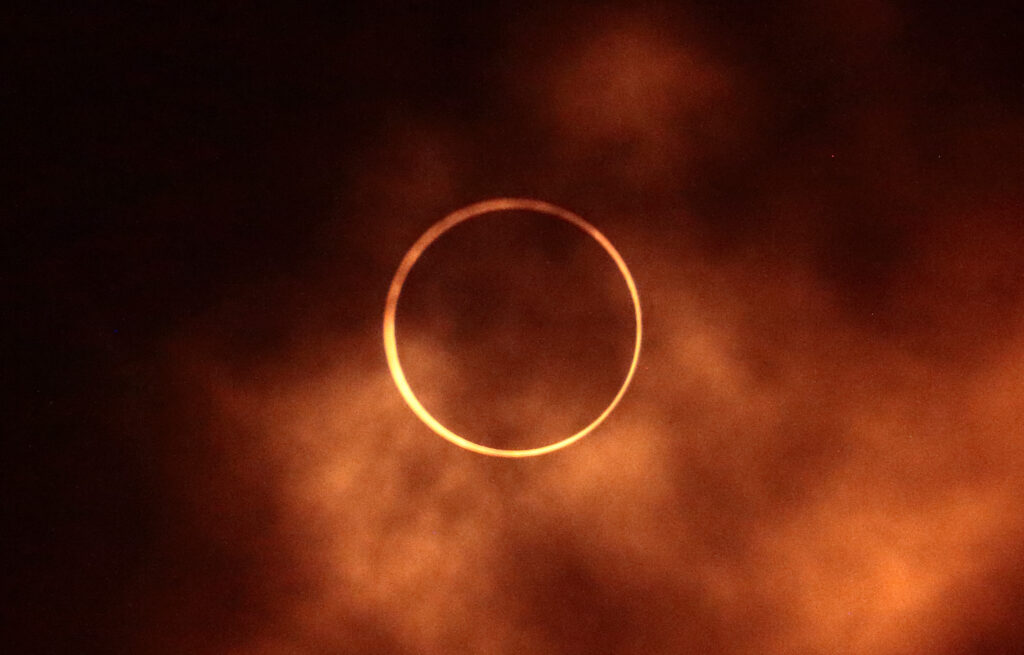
{"x": 822, "y": 205}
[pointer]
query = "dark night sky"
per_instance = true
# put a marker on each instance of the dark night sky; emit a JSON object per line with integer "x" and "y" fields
{"x": 822, "y": 205}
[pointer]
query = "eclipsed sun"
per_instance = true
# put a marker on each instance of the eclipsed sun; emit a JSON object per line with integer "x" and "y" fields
{"x": 414, "y": 253}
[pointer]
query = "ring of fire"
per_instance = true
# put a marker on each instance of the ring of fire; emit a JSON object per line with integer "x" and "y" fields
{"x": 414, "y": 253}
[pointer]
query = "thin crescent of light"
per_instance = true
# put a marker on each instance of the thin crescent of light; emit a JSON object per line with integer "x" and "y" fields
{"x": 395, "y": 290}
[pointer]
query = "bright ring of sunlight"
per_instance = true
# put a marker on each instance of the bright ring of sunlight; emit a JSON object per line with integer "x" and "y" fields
{"x": 391, "y": 307}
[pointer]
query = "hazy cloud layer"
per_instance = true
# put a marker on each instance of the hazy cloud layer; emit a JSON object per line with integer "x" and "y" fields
{"x": 821, "y": 451}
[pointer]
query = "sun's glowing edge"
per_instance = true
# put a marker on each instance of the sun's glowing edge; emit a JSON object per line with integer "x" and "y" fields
{"x": 414, "y": 253}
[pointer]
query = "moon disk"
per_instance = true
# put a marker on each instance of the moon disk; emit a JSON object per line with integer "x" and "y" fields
{"x": 414, "y": 253}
